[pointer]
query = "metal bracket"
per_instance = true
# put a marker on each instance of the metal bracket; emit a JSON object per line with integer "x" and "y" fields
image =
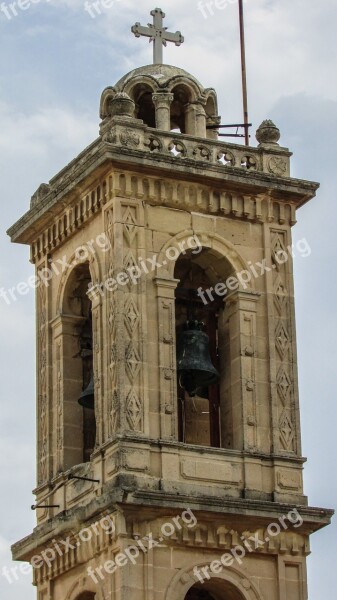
{"x": 36, "y": 506}
{"x": 82, "y": 478}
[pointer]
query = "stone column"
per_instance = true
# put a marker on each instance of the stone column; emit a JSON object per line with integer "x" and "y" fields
{"x": 162, "y": 102}
{"x": 200, "y": 120}
{"x": 196, "y": 119}
{"x": 240, "y": 315}
{"x": 167, "y": 358}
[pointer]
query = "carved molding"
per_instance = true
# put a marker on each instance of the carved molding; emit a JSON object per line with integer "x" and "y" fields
{"x": 165, "y": 192}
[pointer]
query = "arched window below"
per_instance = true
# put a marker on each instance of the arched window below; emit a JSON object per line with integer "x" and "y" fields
{"x": 86, "y": 596}
{"x": 214, "y": 589}
{"x": 196, "y": 593}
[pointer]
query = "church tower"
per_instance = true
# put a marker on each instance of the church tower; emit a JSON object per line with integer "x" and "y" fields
{"x": 169, "y": 462}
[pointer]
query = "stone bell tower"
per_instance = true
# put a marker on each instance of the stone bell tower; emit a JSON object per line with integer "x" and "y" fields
{"x": 143, "y": 491}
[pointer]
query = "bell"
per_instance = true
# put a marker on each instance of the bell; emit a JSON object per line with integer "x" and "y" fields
{"x": 194, "y": 366}
{"x": 87, "y": 398}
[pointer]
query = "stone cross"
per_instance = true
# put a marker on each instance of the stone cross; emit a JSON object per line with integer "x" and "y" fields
{"x": 158, "y": 35}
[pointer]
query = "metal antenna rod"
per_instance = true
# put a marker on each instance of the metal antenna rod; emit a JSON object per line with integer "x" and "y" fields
{"x": 244, "y": 73}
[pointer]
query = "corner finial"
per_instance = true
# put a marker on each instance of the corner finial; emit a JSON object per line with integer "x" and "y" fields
{"x": 268, "y": 133}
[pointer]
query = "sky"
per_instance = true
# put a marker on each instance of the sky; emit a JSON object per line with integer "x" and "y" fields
{"x": 55, "y": 61}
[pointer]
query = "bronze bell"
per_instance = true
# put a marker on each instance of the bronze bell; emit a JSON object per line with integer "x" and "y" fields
{"x": 87, "y": 398}
{"x": 194, "y": 366}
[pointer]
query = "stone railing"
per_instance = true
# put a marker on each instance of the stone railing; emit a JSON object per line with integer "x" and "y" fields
{"x": 134, "y": 135}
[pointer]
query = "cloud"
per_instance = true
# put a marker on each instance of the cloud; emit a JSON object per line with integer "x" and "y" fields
{"x": 42, "y": 143}
{"x": 50, "y": 129}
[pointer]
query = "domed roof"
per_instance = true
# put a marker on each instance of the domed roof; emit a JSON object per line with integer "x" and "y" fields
{"x": 162, "y": 76}
{"x": 141, "y": 83}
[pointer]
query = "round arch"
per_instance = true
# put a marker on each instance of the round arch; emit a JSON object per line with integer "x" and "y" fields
{"x": 85, "y": 589}
{"x": 232, "y": 580}
{"x": 221, "y": 248}
{"x": 141, "y": 94}
{"x": 107, "y": 95}
{"x": 95, "y": 272}
{"x": 186, "y": 82}
{"x": 140, "y": 80}
{"x": 211, "y": 103}
{"x": 75, "y": 333}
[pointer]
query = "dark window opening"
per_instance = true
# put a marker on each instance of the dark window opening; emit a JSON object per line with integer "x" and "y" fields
{"x": 198, "y": 417}
{"x": 145, "y": 109}
{"x": 86, "y": 351}
{"x": 214, "y": 589}
{"x": 80, "y": 367}
{"x": 198, "y": 594}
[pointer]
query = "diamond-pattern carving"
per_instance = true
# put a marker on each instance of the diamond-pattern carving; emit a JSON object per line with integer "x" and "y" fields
{"x": 286, "y": 431}
{"x": 284, "y": 380}
{"x": 282, "y": 339}
{"x": 130, "y": 224}
{"x": 131, "y": 316}
{"x": 129, "y": 260}
{"x": 132, "y": 361}
{"x": 283, "y": 385}
{"x": 134, "y": 414}
{"x": 278, "y": 244}
{"x": 278, "y": 251}
{"x": 280, "y": 294}
{"x": 130, "y": 263}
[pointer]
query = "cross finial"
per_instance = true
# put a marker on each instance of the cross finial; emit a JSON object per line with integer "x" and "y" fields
{"x": 158, "y": 35}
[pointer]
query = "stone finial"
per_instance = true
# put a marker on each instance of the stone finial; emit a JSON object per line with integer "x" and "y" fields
{"x": 121, "y": 105}
{"x": 268, "y": 133}
{"x": 42, "y": 191}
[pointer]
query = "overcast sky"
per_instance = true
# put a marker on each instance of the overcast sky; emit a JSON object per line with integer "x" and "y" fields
{"x": 55, "y": 61}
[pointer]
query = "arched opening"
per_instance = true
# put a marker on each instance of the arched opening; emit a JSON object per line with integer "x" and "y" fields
{"x": 145, "y": 108}
{"x": 214, "y": 589}
{"x": 79, "y": 419}
{"x": 211, "y": 109}
{"x": 86, "y": 596}
{"x": 204, "y": 419}
{"x": 182, "y": 97}
{"x": 212, "y": 118}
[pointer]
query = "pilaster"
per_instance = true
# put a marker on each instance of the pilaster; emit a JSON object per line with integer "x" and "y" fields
{"x": 125, "y": 309}
{"x": 240, "y": 314}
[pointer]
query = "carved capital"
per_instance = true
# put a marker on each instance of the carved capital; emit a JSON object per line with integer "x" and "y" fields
{"x": 162, "y": 100}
